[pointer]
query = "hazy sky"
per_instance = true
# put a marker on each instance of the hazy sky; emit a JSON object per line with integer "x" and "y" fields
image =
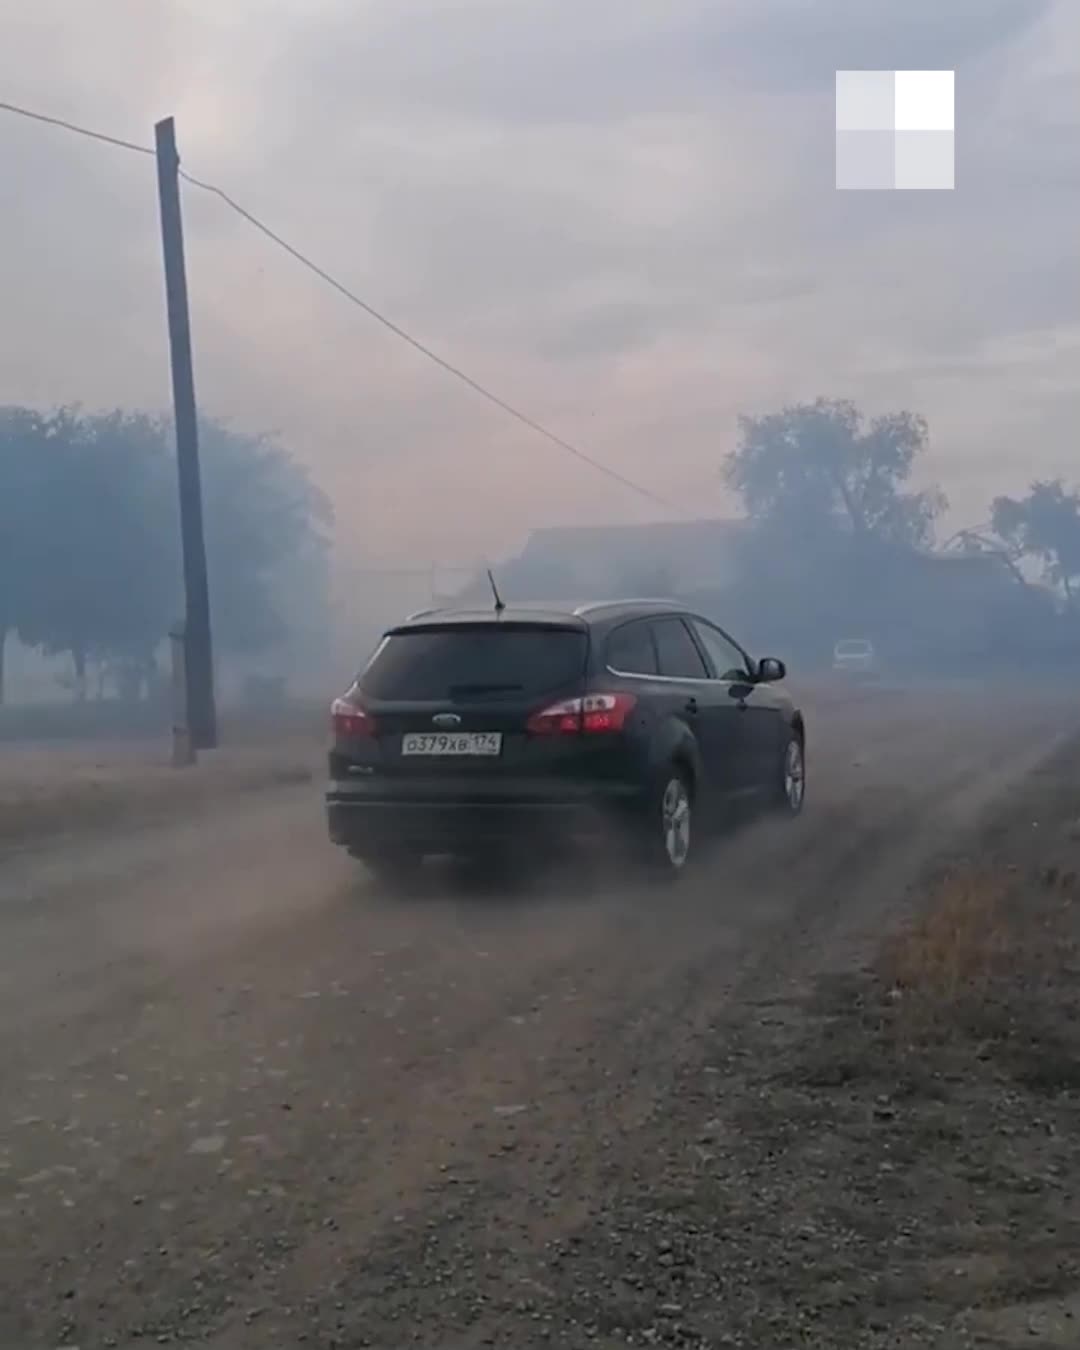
{"x": 619, "y": 214}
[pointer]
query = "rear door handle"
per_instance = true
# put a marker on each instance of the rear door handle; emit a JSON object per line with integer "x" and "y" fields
{"x": 691, "y": 705}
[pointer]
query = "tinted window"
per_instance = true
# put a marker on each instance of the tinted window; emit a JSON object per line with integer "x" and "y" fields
{"x": 679, "y": 658}
{"x": 728, "y": 662}
{"x": 631, "y": 649}
{"x": 487, "y": 662}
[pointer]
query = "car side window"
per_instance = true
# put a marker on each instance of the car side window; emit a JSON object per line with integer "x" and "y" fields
{"x": 679, "y": 657}
{"x": 630, "y": 650}
{"x": 728, "y": 662}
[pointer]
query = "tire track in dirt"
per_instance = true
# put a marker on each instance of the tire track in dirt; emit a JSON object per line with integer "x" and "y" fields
{"x": 354, "y": 1101}
{"x": 646, "y": 1019}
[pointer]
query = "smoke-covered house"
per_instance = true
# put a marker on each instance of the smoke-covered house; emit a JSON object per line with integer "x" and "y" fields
{"x": 585, "y": 562}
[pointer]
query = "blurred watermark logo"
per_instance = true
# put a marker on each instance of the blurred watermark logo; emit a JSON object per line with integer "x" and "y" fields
{"x": 895, "y": 129}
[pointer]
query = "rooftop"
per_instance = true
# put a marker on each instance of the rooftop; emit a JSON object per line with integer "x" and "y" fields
{"x": 660, "y": 533}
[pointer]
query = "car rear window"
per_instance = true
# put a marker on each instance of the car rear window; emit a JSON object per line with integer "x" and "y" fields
{"x": 483, "y": 662}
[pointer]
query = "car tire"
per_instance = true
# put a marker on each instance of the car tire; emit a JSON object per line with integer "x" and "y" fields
{"x": 668, "y": 834}
{"x": 790, "y": 792}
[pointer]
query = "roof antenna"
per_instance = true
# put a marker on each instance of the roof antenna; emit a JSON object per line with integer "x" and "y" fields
{"x": 499, "y": 606}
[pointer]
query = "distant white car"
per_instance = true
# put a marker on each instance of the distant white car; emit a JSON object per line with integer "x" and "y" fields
{"x": 855, "y": 656}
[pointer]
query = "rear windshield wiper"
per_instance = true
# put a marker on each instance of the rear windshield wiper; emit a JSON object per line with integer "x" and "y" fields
{"x": 465, "y": 689}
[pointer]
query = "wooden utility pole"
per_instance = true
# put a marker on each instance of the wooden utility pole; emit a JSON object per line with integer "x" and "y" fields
{"x": 183, "y": 752}
{"x": 199, "y": 658}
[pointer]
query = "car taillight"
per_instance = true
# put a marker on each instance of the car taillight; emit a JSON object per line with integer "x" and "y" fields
{"x": 593, "y": 713}
{"x": 349, "y": 720}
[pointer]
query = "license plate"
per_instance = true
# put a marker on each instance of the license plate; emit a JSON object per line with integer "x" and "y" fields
{"x": 452, "y": 743}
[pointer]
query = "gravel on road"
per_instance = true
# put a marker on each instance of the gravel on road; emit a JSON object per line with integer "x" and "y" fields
{"x": 249, "y": 1102}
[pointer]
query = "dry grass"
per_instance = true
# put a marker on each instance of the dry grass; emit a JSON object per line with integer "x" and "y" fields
{"x": 64, "y": 789}
{"x": 989, "y": 968}
{"x": 962, "y": 940}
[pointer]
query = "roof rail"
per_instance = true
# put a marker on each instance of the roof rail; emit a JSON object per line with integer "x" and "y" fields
{"x": 628, "y": 600}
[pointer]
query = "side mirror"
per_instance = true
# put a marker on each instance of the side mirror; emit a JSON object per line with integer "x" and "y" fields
{"x": 770, "y": 670}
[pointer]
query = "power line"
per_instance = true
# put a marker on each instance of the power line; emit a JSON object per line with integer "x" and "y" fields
{"x": 451, "y": 369}
{"x": 360, "y": 303}
{"x": 79, "y": 131}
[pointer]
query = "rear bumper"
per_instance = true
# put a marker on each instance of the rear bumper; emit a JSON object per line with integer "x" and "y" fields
{"x": 364, "y": 820}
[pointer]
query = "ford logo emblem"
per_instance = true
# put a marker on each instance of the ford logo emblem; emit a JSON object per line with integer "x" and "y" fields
{"x": 446, "y": 720}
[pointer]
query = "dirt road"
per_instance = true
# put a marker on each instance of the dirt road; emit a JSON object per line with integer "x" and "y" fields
{"x": 247, "y": 1102}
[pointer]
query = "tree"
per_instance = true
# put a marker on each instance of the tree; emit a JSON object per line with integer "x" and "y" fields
{"x": 267, "y": 535}
{"x": 818, "y": 468}
{"x": 100, "y": 581}
{"x": 20, "y": 438}
{"x": 89, "y": 537}
{"x": 833, "y": 522}
{"x": 1044, "y": 525}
